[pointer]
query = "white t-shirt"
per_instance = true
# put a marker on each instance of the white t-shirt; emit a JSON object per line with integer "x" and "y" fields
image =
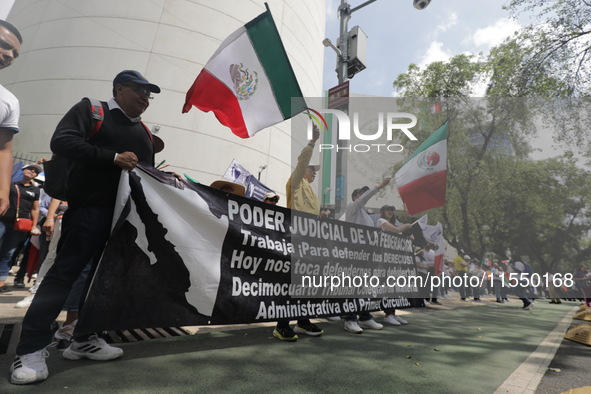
{"x": 9, "y": 110}
{"x": 381, "y": 222}
{"x": 429, "y": 256}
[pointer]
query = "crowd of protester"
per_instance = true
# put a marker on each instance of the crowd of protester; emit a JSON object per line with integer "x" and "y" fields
{"x": 60, "y": 240}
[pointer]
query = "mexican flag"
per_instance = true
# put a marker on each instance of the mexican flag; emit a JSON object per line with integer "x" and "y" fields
{"x": 421, "y": 180}
{"x": 248, "y": 83}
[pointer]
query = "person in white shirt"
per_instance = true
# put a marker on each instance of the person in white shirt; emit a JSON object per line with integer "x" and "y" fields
{"x": 429, "y": 256}
{"x": 356, "y": 213}
{"x": 384, "y": 224}
{"x": 10, "y": 45}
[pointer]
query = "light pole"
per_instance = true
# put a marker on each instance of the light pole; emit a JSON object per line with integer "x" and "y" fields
{"x": 343, "y": 52}
{"x": 343, "y": 49}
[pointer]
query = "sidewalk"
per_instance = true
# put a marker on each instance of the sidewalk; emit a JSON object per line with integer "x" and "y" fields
{"x": 455, "y": 348}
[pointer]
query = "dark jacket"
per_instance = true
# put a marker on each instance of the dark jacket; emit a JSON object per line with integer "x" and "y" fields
{"x": 94, "y": 178}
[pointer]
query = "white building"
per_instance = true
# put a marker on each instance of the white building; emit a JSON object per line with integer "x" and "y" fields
{"x": 74, "y": 48}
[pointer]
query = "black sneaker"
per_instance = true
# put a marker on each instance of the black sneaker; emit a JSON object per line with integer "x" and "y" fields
{"x": 308, "y": 329}
{"x": 19, "y": 283}
{"x": 4, "y": 290}
{"x": 285, "y": 334}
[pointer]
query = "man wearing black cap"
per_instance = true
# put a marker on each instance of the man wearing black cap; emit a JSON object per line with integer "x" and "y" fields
{"x": 98, "y": 159}
{"x": 10, "y": 44}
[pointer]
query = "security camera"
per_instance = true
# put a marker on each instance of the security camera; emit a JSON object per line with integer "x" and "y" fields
{"x": 420, "y": 4}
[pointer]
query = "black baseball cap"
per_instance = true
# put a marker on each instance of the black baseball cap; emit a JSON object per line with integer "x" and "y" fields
{"x": 134, "y": 77}
{"x": 361, "y": 190}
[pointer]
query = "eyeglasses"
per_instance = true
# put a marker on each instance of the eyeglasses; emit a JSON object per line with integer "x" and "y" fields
{"x": 32, "y": 169}
{"x": 274, "y": 199}
{"x": 141, "y": 90}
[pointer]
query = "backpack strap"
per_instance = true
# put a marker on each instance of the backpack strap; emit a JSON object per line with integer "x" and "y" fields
{"x": 98, "y": 115}
{"x": 148, "y": 131}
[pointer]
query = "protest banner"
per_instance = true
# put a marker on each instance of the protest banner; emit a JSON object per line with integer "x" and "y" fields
{"x": 184, "y": 254}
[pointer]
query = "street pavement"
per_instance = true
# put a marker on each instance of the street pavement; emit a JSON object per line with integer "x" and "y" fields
{"x": 458, "y": 347}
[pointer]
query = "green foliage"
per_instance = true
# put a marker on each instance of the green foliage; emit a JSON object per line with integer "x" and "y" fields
{"x": 498, "y": 198}
{"x": 439, "y": 79}
{"x": 558, "y": 44}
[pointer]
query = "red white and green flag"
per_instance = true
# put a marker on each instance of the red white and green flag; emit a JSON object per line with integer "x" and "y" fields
{"x": 422, "y": 179}
{"x": 248, "y": 82}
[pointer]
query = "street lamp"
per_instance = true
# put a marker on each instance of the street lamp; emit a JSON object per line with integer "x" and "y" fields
{"x": 342, "y": 49}
{"x": 347, "y": 66}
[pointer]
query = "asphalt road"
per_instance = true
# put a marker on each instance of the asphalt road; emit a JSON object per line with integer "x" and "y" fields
{"x": 455, "y": 348}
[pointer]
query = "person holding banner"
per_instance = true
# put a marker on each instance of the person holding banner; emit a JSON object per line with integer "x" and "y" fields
{"x": 282, "y": 331}
{"x": 384, "y": 223}
{"x": 271, "y": 198}
{"x": 356, "y": 213}
{"x": 121, "y": 142}
{"x": 302, "y": 197}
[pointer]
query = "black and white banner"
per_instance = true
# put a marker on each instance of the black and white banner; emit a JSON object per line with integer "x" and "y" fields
{"x": 185, "y": 254}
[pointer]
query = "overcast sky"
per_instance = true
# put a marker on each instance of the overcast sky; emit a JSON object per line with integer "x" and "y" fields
{"x": 398, "y": 34}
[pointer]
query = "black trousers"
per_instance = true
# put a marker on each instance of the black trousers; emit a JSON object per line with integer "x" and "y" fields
{"x": 85, "y": 232}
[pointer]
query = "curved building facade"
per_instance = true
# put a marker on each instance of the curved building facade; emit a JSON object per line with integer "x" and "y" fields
{"x": 74, "y": 48}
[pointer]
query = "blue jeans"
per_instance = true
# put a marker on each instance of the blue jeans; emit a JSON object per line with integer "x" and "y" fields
{"x": 9, "y": 241}
{"x": 85, "y": 232}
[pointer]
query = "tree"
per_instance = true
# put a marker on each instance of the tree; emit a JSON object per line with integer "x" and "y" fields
{"x": 559, "y": 45}
{"x": 498, "y": 198}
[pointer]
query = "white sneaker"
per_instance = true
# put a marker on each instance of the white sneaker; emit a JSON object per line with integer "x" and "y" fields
{"x": 371, "y": 323}
{"x": 333, "y": 318}
{"x": 94, "y": 349}
{"x": 352, "y": 327}
{"x": 29, "y": 368}
{"x": 400, "y": 320}
{"x": 427, "y": 303}
{"x": 25, "y": 302}
{"x": 391, "y": 319}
